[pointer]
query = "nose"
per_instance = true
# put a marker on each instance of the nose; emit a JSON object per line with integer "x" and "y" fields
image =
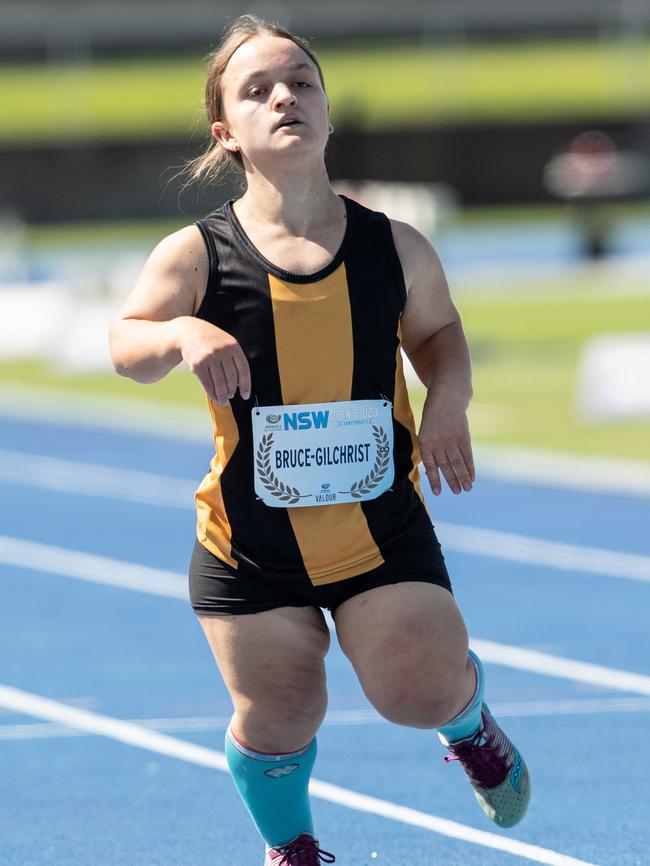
{"x": 283, "y": 95}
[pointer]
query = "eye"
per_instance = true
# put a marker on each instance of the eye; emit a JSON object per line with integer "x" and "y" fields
{"x": 303, "y": 84}
{"x": 255, "y": 91}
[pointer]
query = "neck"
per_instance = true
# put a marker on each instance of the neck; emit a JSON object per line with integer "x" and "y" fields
{"x": 294, "y": 198}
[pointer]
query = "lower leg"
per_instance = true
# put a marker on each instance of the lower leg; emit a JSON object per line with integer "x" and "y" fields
{"x": 273, "y": 666}
{"x": 274, "y": 788}
{"x": 467, "y": 722}
{"x": 494, "y": 766}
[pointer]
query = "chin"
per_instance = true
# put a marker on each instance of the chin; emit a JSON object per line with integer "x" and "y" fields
{"x": 296, "y": 145}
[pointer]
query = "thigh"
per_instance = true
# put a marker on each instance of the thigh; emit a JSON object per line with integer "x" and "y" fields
{"x": 403, "y": 635}
{"x": 255, "y": 652}
{"x": 273, "y": 666}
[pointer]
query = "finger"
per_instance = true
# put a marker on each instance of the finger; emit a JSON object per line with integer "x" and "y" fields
{"x": 433, "y": 476}
{"x": 219, "y": 381}
{"x": 204, "y": 377}
{"x": 243, "y": 373}
{"x": 466, "y": 450}
{"x": 230, "y": 375}
{"x": 455, "y": 457}
{"x": 447, "y": 469}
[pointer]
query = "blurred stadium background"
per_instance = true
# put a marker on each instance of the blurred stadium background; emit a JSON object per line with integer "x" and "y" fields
{"x": 515, "y": 134}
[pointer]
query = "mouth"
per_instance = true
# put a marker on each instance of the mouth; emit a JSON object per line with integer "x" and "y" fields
{"x": 288, "y": 122}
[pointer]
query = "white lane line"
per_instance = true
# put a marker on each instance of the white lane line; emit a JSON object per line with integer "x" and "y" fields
{"x": 522, "y": 465}
{"x": 88, "y": 566}
{"x": 556, "y": 666}
{"x": 126, "y": 575}
{"x": 339, "y": 718}
{"x": 577, "y": 707}
{"x": 135, "y": 735}
{"x": 442, "y": 826}
{"x": 132, "y": 416}
{"x": 606, "y": 475}
{"x": 53, "y": 473}
{"x": 550, "y": 554}
{"x": 90, "y": 479}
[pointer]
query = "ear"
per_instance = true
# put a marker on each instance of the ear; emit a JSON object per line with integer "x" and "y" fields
{"x": 329, "y": 120}
{"x": 223, "y": 135}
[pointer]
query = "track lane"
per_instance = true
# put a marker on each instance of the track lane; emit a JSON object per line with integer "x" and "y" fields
{"x": 145, "y": 656}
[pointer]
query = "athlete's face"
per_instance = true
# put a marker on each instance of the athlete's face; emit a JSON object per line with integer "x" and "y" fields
{"x": 268, "y": 80}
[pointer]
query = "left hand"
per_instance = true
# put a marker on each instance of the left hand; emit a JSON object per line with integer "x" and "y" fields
{"x": 445, "y": 444}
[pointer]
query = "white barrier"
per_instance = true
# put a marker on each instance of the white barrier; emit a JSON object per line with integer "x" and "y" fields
{"x": 614, "y": 378}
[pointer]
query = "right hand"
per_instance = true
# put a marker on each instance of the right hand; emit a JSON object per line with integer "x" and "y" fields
{"x": 216, "y": 358}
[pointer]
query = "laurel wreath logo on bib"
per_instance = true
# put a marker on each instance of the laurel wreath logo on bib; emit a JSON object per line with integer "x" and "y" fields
{"x": 322, "y": 453}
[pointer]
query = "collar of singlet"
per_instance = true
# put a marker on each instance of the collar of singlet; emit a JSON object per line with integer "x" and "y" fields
{"x": 280, "y": 273}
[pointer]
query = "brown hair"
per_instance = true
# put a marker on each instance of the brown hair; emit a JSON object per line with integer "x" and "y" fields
{"x": 214, "y": 162}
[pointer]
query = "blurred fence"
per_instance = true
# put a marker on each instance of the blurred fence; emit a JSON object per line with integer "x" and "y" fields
{"x": 71, "y": 28}
{"x": 483, "y": 164}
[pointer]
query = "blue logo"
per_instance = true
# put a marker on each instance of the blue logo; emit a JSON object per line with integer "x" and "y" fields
{"x": 325, "y": 486}
{"x": 516, "y": 773}
{"x": 305, "y": 420}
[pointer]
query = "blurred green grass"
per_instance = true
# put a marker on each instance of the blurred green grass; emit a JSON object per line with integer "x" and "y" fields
{"x": 526, "y": 354}
{"x": 525, "y": 349}
{"x": 369, "y": 87}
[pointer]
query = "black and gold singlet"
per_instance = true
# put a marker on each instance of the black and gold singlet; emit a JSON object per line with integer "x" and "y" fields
{"x": 329, "y": 336}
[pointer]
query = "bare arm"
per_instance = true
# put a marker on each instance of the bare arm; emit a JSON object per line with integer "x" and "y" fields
{"x": 156, "y": 328}
{"x": 433, "y": 339}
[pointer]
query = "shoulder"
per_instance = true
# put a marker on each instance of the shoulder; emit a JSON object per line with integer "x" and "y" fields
{"x": 182, "y": 249}
{"x": 181, "y": 261}
{"x": 173, "y": 279}
{"x": 419, "y": 260}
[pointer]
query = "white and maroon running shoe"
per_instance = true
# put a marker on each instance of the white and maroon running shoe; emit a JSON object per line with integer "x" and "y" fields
{"x": 303, "y": 851}
{"x": 495, "y": 769}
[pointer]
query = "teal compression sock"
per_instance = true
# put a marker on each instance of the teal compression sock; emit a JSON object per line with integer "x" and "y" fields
{"x": 274, "y": 789}
{"x": 468, "y": 721}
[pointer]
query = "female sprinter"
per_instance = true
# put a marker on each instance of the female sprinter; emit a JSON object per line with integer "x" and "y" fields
{"x": 290, "y": 304}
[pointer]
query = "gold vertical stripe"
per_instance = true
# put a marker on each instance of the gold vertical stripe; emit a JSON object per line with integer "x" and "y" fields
{"x": 404, "y": 415}
{"x": 315, "y": 351}
{"x": 213, "y": 528}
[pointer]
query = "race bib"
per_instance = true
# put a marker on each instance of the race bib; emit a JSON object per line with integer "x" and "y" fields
{"x": 322, "y": 453}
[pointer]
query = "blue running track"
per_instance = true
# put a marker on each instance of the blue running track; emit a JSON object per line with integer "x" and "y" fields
{"x": 73, "y": 798}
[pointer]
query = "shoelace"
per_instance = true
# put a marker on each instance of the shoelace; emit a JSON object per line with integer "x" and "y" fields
{"x": 482, "y": 761}
{"x": 292, "y": 854}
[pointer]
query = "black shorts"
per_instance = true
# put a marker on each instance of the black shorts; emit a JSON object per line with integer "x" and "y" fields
{"x": 217, "y": 588}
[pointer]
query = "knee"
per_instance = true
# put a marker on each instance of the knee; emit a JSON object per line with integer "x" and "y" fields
{"x": 413, "y": 708}
{"x": 417, "y": 697}
{"x": 295, "y": 703}
{"x": 284, "y": 717}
